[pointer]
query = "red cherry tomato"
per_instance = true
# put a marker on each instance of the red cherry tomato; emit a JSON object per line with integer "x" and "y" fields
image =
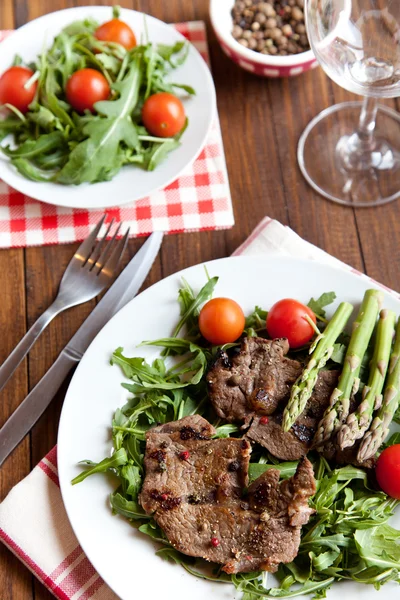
{"x": 85, "y": 87}
{"x": 163, "y": 114}
{"x": 12, "y": 90}
{"x": 287, "y": 318}
{"x": 116, "y": 31}
{"x": 388, "y": 471}
{"x": 221, "y": 321}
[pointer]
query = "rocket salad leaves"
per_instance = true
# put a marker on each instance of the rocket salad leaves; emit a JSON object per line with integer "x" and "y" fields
{"x": 347, "y": 538}
{"x": 54, "y": 143}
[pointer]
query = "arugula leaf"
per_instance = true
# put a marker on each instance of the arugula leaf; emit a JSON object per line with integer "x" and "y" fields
{"x": 44, "y": 118}
{"x": 10, "y": 125}
{"x": 256, "y": 320}
{"x": 286, "y": 469}
{"x": 159, "y": 152}
{"x": 32, "y": 148}
{"x": 310, "y": 587}
{"x": 225, "y": 431}
{"x": 131, "y": 480}
{"x": 322, "y": 561}
{"x": 192, "y": 308}
{"x": 31, "y": 171}
{"x": 99, "y": 156}
{"x": 318, "y": 306}
{"x": 117, "y": 459}
{"x": 394, "y": 439}
{"x": 379, "y": 546}
{"x": 127, "y": 508}
{"x": 339, "y": 352}
{"x": 154, "y": 531}
{"x": 166, "y": 52}
{"x": 151, "y": 377}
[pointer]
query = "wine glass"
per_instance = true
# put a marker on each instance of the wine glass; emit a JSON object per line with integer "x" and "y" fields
{"x": 350, "y": 152}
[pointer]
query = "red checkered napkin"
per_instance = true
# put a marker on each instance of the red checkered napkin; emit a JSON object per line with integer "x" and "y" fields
{"x": 198, "y": 200}
{"x": 38, "y": 531}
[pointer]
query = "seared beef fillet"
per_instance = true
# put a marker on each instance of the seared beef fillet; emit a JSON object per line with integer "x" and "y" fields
{"x": 256, "y": 379}
{"x": 194, "y": 489}
{"x": 295, "y": 443}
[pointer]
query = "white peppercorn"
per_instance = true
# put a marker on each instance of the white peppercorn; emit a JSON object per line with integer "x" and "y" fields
{"x": 237, "y": 31}
{"x": 255, "y": 26}
{"x": 275, "y": 33}
{"x": 297, "y": 14}
{"x": 260, "y": 18}
{"x": 287, "y": 30}
{"x": 271, "y": 23}
{"x": 268, "y": 10}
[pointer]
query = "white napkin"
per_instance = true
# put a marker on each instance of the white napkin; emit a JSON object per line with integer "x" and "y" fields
{"x": 43, "y": 539}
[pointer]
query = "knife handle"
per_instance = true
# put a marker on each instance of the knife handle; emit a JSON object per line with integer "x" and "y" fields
{"x": 30, "y": 410}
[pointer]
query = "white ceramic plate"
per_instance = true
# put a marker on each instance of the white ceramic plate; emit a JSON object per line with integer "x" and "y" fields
{"x": 122, "y": 556}
{"x": 131, "y": 183}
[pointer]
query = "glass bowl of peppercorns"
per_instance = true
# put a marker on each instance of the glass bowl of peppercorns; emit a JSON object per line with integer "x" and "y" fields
{"x": 267, "y": 38}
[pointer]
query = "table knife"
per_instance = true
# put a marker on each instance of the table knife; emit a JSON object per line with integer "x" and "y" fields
{"x": 123, "y": 289}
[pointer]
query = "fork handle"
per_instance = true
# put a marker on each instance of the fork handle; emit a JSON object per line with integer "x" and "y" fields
{"x": 22, "y": 348}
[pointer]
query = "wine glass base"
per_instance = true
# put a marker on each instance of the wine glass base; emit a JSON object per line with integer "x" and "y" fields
{"x": 332, "y": 163}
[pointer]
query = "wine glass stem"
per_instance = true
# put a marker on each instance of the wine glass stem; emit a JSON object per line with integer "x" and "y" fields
{"x": 366, "y": 125}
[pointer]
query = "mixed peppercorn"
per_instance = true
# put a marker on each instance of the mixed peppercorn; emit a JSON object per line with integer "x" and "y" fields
{"x": 270, "y": 27}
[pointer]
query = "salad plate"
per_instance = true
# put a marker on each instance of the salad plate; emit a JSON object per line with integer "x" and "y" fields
{"x": 132, "y": 182}
{"x": 123, "y": 556}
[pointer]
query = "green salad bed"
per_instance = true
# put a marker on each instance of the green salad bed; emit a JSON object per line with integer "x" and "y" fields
{"x": 347, "y": 538}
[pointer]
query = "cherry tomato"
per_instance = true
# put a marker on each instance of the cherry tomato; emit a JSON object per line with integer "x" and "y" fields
{"x": 163, "y": 114}
{"x": 12, "y": 90}
{"x": 221, "y": 321}
{"x": 116, "y": 31}
{"x": 85, "y": 87}
{"x": 287, "y": 318}
{"x": 388, "y": 471}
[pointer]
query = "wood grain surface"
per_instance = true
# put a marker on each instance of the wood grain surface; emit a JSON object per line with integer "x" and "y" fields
{"x": 261, "y": 122}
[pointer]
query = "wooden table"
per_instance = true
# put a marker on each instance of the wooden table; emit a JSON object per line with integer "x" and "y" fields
{"x": 261, "y": 123}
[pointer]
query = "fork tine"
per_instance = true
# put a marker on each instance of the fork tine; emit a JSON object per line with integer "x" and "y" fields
{"x": 116, "y": 255}
{"x": 86, "y": 248}
{"x": 96, "y": 253}
{"x": 104, "y": 255}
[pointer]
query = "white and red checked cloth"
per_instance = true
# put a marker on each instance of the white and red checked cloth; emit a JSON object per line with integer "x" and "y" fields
{"x": 38, "y": 530}
{"x": 198, "y": 200}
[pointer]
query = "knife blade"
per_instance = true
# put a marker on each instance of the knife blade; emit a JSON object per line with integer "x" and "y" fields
{"x": 123, "y": 289}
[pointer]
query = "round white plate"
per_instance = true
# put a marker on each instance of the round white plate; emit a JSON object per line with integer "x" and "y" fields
{"x": 131, "y": 183}
{"x": 124, "y": 557}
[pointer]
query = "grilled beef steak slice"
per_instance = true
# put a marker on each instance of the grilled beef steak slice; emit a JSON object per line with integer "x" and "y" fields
{"x": 294, "y": 444}
{"x": 255, "y": 379}
{"x": 194, "y": 489}
{"x": 284, "y": 445}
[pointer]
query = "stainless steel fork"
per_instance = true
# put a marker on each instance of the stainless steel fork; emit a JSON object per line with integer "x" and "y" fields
{"x": 92, "y": 268}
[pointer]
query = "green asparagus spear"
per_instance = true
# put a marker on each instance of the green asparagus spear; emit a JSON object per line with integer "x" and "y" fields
{"x": 379, "y": 429}
{"x": 339, "y": 404}
{"x": 320, "y": 352}
{"x": 359, "y": 421}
